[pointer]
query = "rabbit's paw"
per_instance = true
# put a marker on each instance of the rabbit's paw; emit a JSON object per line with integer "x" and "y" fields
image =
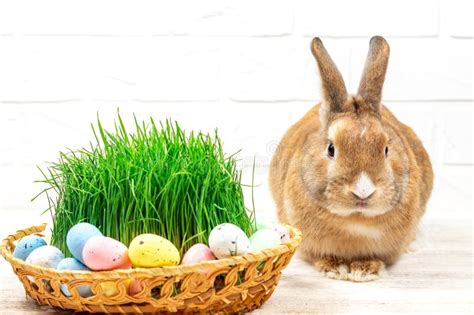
{"x": 365, "y": 270}
{"x": 333, "y": 268}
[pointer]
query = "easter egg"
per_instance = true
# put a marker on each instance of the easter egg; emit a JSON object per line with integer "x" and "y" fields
{"x": 136, "y": 287}
{"x": 197, "y": 253}
{"x": 26, "y": 245}
{"x": 105, "y": 253}
{"x": 77, "y": 237}
{"x": 227, "y": 240}
{"x": 283, "y": 232}
{"x": 150, "y": 250}
{"x": 74, "y": 264}
{"x": 264, "y": 239}
{"x": 45, "y": 256}
{"x": 265, "y": 224}
{"x": 110, "y": 288}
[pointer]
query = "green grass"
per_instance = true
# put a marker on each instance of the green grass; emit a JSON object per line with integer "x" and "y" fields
{"x": 156, "y": 180}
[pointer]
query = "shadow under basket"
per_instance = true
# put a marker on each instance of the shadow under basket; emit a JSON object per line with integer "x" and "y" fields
{"x": 236, "y": 284}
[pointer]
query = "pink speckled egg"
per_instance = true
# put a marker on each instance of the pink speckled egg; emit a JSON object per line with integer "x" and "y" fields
{"x": 105, "y": 253}
{"x": 136, "y": 286}
{"x": 197, "y": 253}
{"x": 283, "y": 231}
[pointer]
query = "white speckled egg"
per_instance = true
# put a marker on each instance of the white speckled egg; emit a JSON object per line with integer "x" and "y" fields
{"x": 77, "y": 237}
{"x": 228, "y": 240}
{"x": 283, "y": 232}
{"x": 264, "y": 239}
{"x": 27, "y": 245}
{"x": 74, "y": 264}
{"x": 45, "y": 256}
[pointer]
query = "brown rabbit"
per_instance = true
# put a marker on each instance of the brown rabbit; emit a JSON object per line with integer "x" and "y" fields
{"x": 352, "y": 177}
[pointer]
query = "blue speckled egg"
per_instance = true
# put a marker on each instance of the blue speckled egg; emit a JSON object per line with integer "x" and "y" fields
{"x": 77, "y": 237}
{"x": 26, "y": 245}
{"x": 45, "y": 256}
{"x": 74, "y": 264}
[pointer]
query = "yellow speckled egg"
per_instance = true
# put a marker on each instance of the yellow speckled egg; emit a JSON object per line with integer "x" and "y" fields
{"x": 150, "y": 250}
{"x": 113, "y": 288}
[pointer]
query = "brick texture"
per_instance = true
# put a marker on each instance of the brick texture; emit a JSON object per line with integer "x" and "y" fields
{"x": 242, "y": 66}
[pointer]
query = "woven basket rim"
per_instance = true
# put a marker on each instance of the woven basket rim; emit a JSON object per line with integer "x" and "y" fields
{"x": 6, "y": 252}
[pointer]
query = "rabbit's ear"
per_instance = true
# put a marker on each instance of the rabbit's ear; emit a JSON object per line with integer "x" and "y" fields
{"x": 333, "y": 89}
{"x": 371, "y": 83}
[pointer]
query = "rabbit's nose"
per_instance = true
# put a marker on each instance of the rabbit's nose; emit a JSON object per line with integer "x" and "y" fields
{"x": 364, "y": 187}
{"x": 361, "y": 198}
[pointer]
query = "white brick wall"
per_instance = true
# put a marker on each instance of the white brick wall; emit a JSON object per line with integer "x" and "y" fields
{"x": 242, "y": 66}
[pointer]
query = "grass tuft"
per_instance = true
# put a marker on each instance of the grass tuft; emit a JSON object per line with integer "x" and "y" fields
{"x": 156, "y": 180}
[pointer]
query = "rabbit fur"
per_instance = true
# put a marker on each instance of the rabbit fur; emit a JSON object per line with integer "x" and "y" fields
{"x": 350, "y": 176}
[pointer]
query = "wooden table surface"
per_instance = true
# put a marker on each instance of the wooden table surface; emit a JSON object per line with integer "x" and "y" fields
{"x": 435, "y": 277}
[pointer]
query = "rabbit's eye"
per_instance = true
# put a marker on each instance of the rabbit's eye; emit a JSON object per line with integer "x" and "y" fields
{"x": 386, "y": 151}
{"x": 331, "y": 150}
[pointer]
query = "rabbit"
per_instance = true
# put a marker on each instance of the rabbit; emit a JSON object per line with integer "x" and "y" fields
{"x": 350, "y": 176}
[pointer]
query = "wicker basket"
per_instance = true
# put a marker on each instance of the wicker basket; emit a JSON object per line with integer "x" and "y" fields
{"x": 232, "y": 285}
